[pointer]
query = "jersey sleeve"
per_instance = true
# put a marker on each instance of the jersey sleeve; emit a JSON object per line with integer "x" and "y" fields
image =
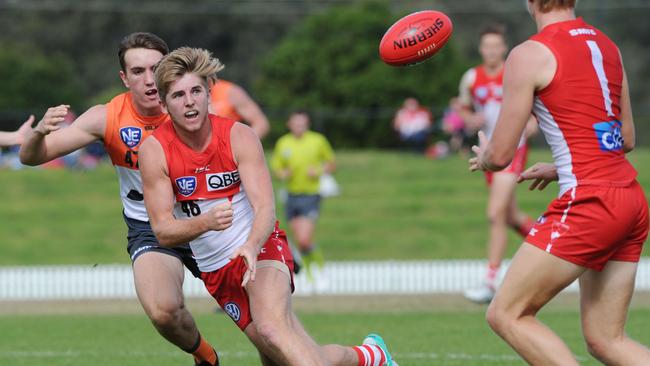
{"x": 327, "y": 153}
{"x": 277, "y": 161}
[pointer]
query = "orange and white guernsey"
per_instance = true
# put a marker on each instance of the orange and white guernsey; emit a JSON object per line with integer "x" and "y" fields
{"x": 220, "y": 100}
{"x": 203, "y": 180}
{"x": 125, "y": 131}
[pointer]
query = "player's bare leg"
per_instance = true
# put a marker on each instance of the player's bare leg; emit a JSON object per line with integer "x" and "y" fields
{"x": 534, "y": 278}
{"x": 518, "y": 220}
{"x": 499, "y": 204}
{"x": 604, "y": 301}
{"x": 159, "y": 284}
{"x": 277, "y": 332}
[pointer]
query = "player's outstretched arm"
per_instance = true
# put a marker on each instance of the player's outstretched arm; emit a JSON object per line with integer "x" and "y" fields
{"x": 48, "y": 141}
{"x": 250, "y": 111}
{"x": 159, "y": 200}
{"x": 16, "y": 137}
{"x": 255, "y": 176}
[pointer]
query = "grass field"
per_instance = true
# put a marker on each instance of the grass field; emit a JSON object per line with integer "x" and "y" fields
{"x": 416, "y": 337}
{"x": 393, "y": 205}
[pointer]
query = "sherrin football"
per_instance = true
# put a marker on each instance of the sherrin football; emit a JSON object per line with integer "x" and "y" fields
{"x": 415, "y": 38}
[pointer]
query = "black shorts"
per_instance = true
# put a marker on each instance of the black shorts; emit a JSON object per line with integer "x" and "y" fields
{"x": 302, "y": 205}
{"x": 142, "y": 239}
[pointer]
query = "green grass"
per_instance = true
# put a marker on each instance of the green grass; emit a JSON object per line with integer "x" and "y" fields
{"x": 416, "y": 338}
{"x": 393, "y": 205}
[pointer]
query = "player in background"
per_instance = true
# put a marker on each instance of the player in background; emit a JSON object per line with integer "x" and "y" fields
{"x": 206, "y": 182}
{"x": 300, "y": 158}
{"x": 572, "y": 76}
{"x": 16, "y": 137}
{"x": 229, "y": 100}
{"x": 480, "y": 95}
{"x": 122, "y": 124}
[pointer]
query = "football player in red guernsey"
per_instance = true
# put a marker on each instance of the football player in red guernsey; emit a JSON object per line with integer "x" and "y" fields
{"x": 571, "y": 75}
{"x": 123, "y": 124}
{"x": 480, "y": 93}
{"x": 206, "y": 182}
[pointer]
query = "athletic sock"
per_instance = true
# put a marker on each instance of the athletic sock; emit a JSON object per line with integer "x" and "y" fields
{"x": 370, "y": 355}
{"x": 203, "y": 351}
{"x": 525, "y": 228}
{"x": 308, "y": 260}
{"x": 491, "y": 275}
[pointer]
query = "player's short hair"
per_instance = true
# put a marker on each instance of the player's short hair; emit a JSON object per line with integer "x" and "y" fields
{"x": 186, "y": 60}
{"x": 146, "y": 40}
{"x": 494, "y": 28}
{"x": 547, "y": 5}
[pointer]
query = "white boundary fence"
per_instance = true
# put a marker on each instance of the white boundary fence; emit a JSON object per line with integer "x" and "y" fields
{"x": 343, "y": 278}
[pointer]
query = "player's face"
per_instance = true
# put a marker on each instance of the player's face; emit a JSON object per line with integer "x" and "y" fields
{"x": 187, "y": 102}
{"x": 298, "y": 124}
{"x": 492, "y": 49}
{"x": 139, "y": 78}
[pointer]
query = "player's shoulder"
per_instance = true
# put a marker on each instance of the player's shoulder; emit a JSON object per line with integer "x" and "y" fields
{"x": 528, "y": 54}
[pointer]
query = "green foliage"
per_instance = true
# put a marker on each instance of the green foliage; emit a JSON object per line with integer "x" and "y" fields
{"x": 329, "y": 64}
{"x": 33, "y": 79}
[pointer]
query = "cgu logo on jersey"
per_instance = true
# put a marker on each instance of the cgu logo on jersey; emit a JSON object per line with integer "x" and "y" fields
{"x": 609, "y": 135}
{"x": 131, "y": 136}
{"x": 186, "y": 185}
{"x": 221, "y": 181}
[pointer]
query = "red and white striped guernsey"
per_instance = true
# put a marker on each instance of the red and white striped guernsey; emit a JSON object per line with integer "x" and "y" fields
{"x": 579, "y": 111}
{"x": 202, "y": 180}
{"x": 123, "y": 136}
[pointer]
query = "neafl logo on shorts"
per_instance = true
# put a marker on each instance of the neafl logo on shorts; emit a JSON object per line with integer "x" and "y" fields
{"x": 186, "y": 185}
{"x": 221, "y": 181}
{"x": 609, "y": 135}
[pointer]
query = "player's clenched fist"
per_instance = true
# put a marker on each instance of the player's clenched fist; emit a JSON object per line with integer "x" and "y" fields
{"x": 52, "y": 119}
{"x": 220, "y": 217}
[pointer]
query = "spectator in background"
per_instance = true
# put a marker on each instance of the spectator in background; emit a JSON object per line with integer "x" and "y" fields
{"x": 413, "y": 123}
{"x": 231, "y": 101}
{"x": 454, "y": 126}
{"x": 299, "y": 159}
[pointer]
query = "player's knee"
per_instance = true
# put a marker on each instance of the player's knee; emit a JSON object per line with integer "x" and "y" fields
{"x": 270, "y": 333}
{"x": 165, "y": 316}
{"x": 599, "y": 346}
{"x": 497, "y": 318}
{"x": 497, "y": 215}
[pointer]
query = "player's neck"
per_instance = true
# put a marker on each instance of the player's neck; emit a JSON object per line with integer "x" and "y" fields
{"x": 198, "y": 140}
{"x": 545, "y": 19}
{"x": 148, "y": 112}
{"x": 493, "y": 70}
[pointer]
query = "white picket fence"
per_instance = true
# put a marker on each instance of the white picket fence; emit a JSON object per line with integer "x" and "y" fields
{"x": 343, "y": 278}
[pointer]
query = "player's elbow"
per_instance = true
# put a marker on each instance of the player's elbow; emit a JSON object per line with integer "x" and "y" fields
{"x": 499, "y": 161}
{"x": 628, "y": 145}
{"x": 28, "y": 159}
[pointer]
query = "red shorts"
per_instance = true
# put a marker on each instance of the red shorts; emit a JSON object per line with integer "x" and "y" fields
{"x": 516, "y": 167}
{"x": 591, "y": 225}
{"x": 224, "y": 284}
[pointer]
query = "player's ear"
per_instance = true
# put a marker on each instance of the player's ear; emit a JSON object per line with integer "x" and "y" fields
{"x": 163, "y": 106}
{"x": 124, "y": 80}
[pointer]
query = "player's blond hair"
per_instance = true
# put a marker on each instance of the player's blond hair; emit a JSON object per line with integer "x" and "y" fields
{"x": 547, "y": 5}
{"x": 186, "y": 60}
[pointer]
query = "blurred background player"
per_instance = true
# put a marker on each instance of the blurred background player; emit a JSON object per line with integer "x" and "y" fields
{"x": 300, "y": 158}
{"x": 229, "y": 100}
{"x": 481, "y": 95}
{"x": 572, "y": 76}
{"x": 122, "y": 124}
{"x": 413, "y": 124}
{"x": 227, "y": 213}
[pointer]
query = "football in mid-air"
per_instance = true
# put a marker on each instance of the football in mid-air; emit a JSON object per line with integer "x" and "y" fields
{"x": 415, "y": 38}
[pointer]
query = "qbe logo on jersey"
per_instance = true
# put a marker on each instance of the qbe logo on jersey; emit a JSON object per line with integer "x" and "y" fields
{"x": 186, "y": 185}
{"x": 609, "y": 135}
{"x": 221, "y": 181}
{"x": 131, "y": 136}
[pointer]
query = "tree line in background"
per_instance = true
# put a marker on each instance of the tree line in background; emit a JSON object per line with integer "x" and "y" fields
{"x": 319, "y": 56}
